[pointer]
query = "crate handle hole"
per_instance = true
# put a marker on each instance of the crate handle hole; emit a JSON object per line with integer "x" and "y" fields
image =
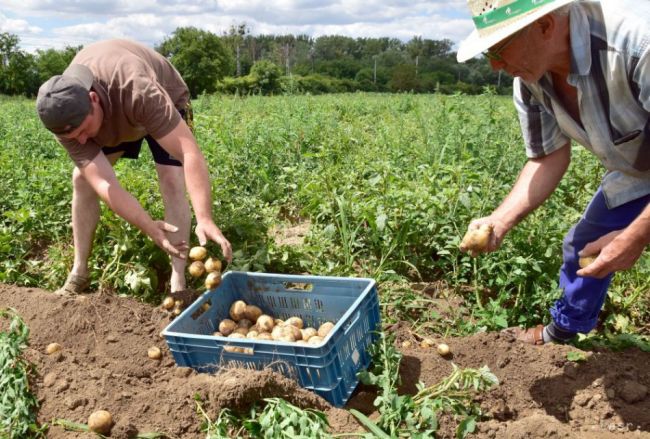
{"x": 202, "y": 309}
{"x": 298, "y": 286}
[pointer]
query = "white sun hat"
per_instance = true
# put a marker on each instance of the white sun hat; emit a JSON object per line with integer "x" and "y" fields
{"x": 495, "y": 20}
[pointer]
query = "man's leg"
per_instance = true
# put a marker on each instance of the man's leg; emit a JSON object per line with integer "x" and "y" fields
{"x": 583, "y": 297}
{"x": 85, "y": 216}
{"x": 177, "y": 212}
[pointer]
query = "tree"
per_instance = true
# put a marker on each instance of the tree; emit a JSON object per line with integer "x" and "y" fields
{"x": 18, "y": 74}
{"x": 267, "y": 76}
{"x": 52, "y": 62}
{"x": 201, "y": 58}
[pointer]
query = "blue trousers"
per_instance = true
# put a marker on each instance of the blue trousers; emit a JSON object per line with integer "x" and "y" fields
{"x": 583, "y": 297}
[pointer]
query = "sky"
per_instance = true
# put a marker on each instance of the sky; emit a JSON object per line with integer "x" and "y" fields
{"x": 44, "y": 24}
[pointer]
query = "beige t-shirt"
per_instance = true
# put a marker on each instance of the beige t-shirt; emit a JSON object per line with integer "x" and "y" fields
{"x": 140, "y": 93}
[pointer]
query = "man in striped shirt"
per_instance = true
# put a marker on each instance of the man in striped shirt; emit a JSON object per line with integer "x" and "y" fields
{"x": 582, "y": 72}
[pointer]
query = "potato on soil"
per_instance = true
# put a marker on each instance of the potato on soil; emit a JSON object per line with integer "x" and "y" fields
{"x": 196, "y": 269}
{"x": 198, "y": 253}
{"x": 237, "y": 310}
{"x": 252, "y": 313}
{"x": 176, "y": 312}
{"x": 100, "y": 422}
{"x": 477, "y": 240}
{"x": 427, "y": 343}
{"x": 212, "y": 264}
{"x": 154, "y": 353}
{"x": 52, "y": 348}
{"x": 265, "y": 323}
{"x": 584, "y": 261}
{"x": 227, "y": 326}
{"x": 212, "y": 280}
{"x": 443, "y": 349}
{"x": 325, "y": 329}
{"x": 168, "y": 303}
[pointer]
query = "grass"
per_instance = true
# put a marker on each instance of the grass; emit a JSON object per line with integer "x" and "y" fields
{"x": 388, "y": 184}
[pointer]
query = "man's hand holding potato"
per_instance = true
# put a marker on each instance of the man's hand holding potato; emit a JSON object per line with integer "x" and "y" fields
{"x": 484, "y": 235}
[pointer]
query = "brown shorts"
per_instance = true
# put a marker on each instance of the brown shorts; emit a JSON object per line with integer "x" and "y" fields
{"x": 160, "y": 156}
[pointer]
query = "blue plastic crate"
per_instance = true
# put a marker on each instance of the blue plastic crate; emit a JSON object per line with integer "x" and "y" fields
{"x": 330, "y": 369}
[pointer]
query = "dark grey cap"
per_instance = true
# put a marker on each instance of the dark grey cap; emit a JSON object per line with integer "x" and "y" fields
{"x": 63, "y": 101}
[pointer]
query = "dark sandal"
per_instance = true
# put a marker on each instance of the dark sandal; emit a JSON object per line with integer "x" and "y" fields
{"x": 74, "y": 284}
{"x": 532, "y": 336}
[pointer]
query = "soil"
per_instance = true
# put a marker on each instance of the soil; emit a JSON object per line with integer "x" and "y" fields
{"x": 103, "y": 365}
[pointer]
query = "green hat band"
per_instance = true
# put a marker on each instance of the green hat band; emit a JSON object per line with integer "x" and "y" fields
{"x": 499, "y": 15}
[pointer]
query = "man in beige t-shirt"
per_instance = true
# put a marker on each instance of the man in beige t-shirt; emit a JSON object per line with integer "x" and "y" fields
{"x": 113, "y": 95}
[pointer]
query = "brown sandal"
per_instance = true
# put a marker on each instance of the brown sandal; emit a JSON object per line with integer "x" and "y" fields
{"x": 532, "y": 336}
{"x": 74, "y": 284}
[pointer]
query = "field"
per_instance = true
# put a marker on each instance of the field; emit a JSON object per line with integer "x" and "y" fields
{"x": 381, "y": 186}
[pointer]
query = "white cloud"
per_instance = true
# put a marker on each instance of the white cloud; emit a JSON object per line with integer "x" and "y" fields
{"x": 75, "y": 22}
{"x": 13, "y": 26}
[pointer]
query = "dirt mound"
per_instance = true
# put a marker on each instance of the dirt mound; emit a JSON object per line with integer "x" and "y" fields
{"x": 104, "y": 365}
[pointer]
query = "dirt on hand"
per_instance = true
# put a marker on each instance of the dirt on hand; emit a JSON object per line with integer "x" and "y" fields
{"x": 103, "y": 365}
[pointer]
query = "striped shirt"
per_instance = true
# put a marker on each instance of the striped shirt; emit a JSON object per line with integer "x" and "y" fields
{"x": 610, "y": 68}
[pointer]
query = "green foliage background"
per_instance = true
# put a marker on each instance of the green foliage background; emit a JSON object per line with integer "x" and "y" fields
{"x": 388, "y": 184}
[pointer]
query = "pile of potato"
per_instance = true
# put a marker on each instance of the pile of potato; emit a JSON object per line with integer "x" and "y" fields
{"x": 197, "y": 268}
{"x": 211, "y": 266}
{"x": 248, "y": 321}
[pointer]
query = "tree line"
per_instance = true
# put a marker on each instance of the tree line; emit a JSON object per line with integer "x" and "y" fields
{"x": 238, "y": 62}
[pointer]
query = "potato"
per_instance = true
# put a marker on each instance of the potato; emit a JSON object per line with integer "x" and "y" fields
{"x": 178, "y": 303}
{"x": 302, "y": 342}
{"x": 315, "y": 340}
{"x": 236, "y": 335}
{"x": 217, "y": 334}
{"x": 205, "y": 307}
{"x": 176, "y": 312}
{"x": 252, "y": 334}
{"x": 212, "y": 280}
{"x": 287, "y": 337}
{"x": 278, "y": 322}
{"x": 168, "y": 303}
{"x": 477, "y": 240}
{"x": 252, "y": 313}
{"x": 294, "y": 321}
{"x": 212, "y": 264}
{"x": 265, "y": 323}
{"x": 584, "y": 261}
{"x": 427, "y": 343}
{"x": 295, "y": 332}
{"x": 227, "y": 326}
{"x": 237, "y": 310}
{"x": 198, "y": 253}
{"x": 100, "y": 422}
{"x": 308, "y": 333}
{"x": 325, "y": 329}
{"x": 245, "y": 323}
{"x": 196, "y": 269}
{"x": 154, "y": 353}
{"x": 52, "y": 348}
{"x": 264, "y": 336}
{"x": 242, "y": 331}
{"x": 278, "y": 332}
{"x": 443, "y": 349}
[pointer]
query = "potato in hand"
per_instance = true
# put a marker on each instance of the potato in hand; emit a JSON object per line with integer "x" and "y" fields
{"x": 477, "y": 240}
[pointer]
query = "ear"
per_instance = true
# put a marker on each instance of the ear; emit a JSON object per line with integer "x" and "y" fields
{"x": 94, "y": 97}
{"x": 546, "y": 26}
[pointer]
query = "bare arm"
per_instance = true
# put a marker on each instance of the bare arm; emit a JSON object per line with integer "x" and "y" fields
{"x": 100, "y": 175}
{"x": 536, "y": 182}
{"x": 180, "y": 143}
